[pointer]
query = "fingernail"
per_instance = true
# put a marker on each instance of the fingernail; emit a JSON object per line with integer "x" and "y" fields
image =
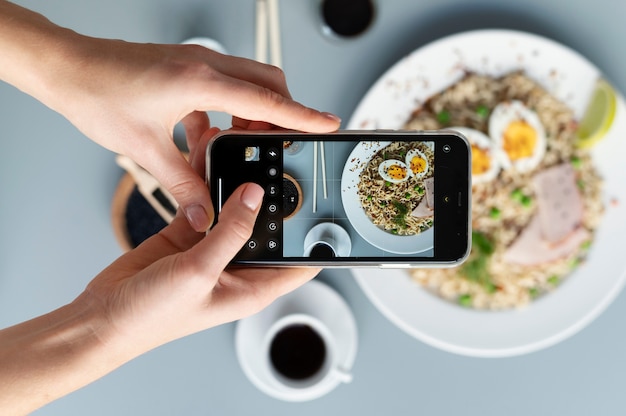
{"x": 332, "y": 117}
{"x": 197, "y": 217}
{"x": 252, "y": 196}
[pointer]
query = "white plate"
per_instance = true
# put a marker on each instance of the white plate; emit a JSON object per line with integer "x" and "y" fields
{"x": 376, "y": 236}
{"x": 587, "y": 291}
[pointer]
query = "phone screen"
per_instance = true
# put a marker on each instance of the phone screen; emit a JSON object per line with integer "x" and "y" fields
{"x": 349, "y": 198}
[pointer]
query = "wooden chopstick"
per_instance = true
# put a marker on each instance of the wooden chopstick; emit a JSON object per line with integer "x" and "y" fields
{"x": 268, "y": 27}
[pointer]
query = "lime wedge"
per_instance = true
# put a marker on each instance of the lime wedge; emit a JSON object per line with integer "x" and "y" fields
{"x": 599, "y": 115}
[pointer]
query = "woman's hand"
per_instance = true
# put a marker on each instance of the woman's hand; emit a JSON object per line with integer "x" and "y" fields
{"x": 128, "y": 97}
{"x": 175, "y": 283}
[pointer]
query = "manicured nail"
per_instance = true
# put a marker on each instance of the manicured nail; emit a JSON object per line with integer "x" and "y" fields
{"x": 197, "y": 217}
{"x": 332, "y": 117}
{"x": 252, "y": 196}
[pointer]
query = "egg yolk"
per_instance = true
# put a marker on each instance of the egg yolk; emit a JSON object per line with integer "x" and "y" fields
{"x": 418, "y": 165}
{"x": 396, "y": 172}
{"x": 520, "y": 139}
{"x": 480, "y": 161}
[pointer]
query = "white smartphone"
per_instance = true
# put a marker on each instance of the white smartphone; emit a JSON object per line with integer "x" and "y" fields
{"x": 349, "y": 198}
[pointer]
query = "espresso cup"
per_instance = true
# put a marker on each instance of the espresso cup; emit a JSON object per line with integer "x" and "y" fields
{"x": 322, "y": 248}
{"x": 300, "y": 353}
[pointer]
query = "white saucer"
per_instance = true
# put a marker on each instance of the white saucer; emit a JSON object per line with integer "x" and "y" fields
{"x": 334, "y": 231}
{"x": 315, "y": 299}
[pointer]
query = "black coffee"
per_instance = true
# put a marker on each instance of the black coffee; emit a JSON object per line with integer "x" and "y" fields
{"x": 348, "y": 17}
{"x": 298, "y": 352}
{"x": 322, "y": 251}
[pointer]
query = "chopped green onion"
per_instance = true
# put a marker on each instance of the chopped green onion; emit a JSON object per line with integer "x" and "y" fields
{"x": 576, "y": 162}
{"x": 407, "y": 195}
{"x": 581, "y": 184}
{"x": 495, "y": 213}
{"x": 533, "y": 292}
{"x": 387, "y": 184}
{"x": 369, "y": 197}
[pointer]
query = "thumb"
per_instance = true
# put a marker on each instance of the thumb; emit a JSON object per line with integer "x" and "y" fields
{"x": 233, "y": 229}
{"x": 189, "y": 189}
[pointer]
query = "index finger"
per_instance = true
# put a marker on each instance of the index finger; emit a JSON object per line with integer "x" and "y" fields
{"x": 250, "y": 101}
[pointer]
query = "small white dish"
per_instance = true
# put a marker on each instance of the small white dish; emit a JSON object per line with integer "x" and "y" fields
{"x": 331, "y": 234}
{"x": 314, "y": 299}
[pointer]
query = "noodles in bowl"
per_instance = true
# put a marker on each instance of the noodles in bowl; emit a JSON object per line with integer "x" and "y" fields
{"x": 390, "y": 202}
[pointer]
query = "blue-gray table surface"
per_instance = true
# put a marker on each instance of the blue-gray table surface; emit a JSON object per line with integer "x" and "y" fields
{"x": 56, "y": 231}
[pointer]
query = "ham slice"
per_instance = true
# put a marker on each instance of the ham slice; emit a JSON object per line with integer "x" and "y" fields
{"x": 422, "y": 210}
{"x": 555, "y": 231}
{"x": 531, "y": 248}
{"x": 559, "y": 204}
{"x": 426, "y": 206}
{"x": 429, "y": 184}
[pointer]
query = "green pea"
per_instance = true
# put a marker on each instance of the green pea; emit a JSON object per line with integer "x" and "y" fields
{"x": 465, "y": 300}
{"x": 443, "y": 117}
{"x": 482, "y": 111}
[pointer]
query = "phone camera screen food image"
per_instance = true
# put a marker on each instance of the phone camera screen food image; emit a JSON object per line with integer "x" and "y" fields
{"x": 345, "y": 199}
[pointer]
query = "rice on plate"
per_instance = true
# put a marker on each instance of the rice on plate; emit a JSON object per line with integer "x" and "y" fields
{"x": 536, "y": 197}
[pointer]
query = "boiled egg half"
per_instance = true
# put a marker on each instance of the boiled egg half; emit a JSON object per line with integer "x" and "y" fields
{"x": 417, "y": 162}
{"x": 485, "y": 160}
{"x": 519, "y": 134}
{"x": 394, "y": 171}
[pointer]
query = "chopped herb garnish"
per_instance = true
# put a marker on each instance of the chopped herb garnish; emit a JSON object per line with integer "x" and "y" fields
{"x": 482, "y": 243}
{"x": 495, "y": 213}
{"x": 407, "y": 195}
{"x": 402, "y": 211}
{"x": 476, "y": 268}
{"x": 533, "y": 292}
{"x": 576, "y": 162}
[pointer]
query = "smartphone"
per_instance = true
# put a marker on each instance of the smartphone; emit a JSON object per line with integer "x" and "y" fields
{"x": 350, "y": 198}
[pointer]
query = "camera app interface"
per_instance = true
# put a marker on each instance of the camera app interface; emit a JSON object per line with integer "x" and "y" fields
{"x": 343, "y": 199}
